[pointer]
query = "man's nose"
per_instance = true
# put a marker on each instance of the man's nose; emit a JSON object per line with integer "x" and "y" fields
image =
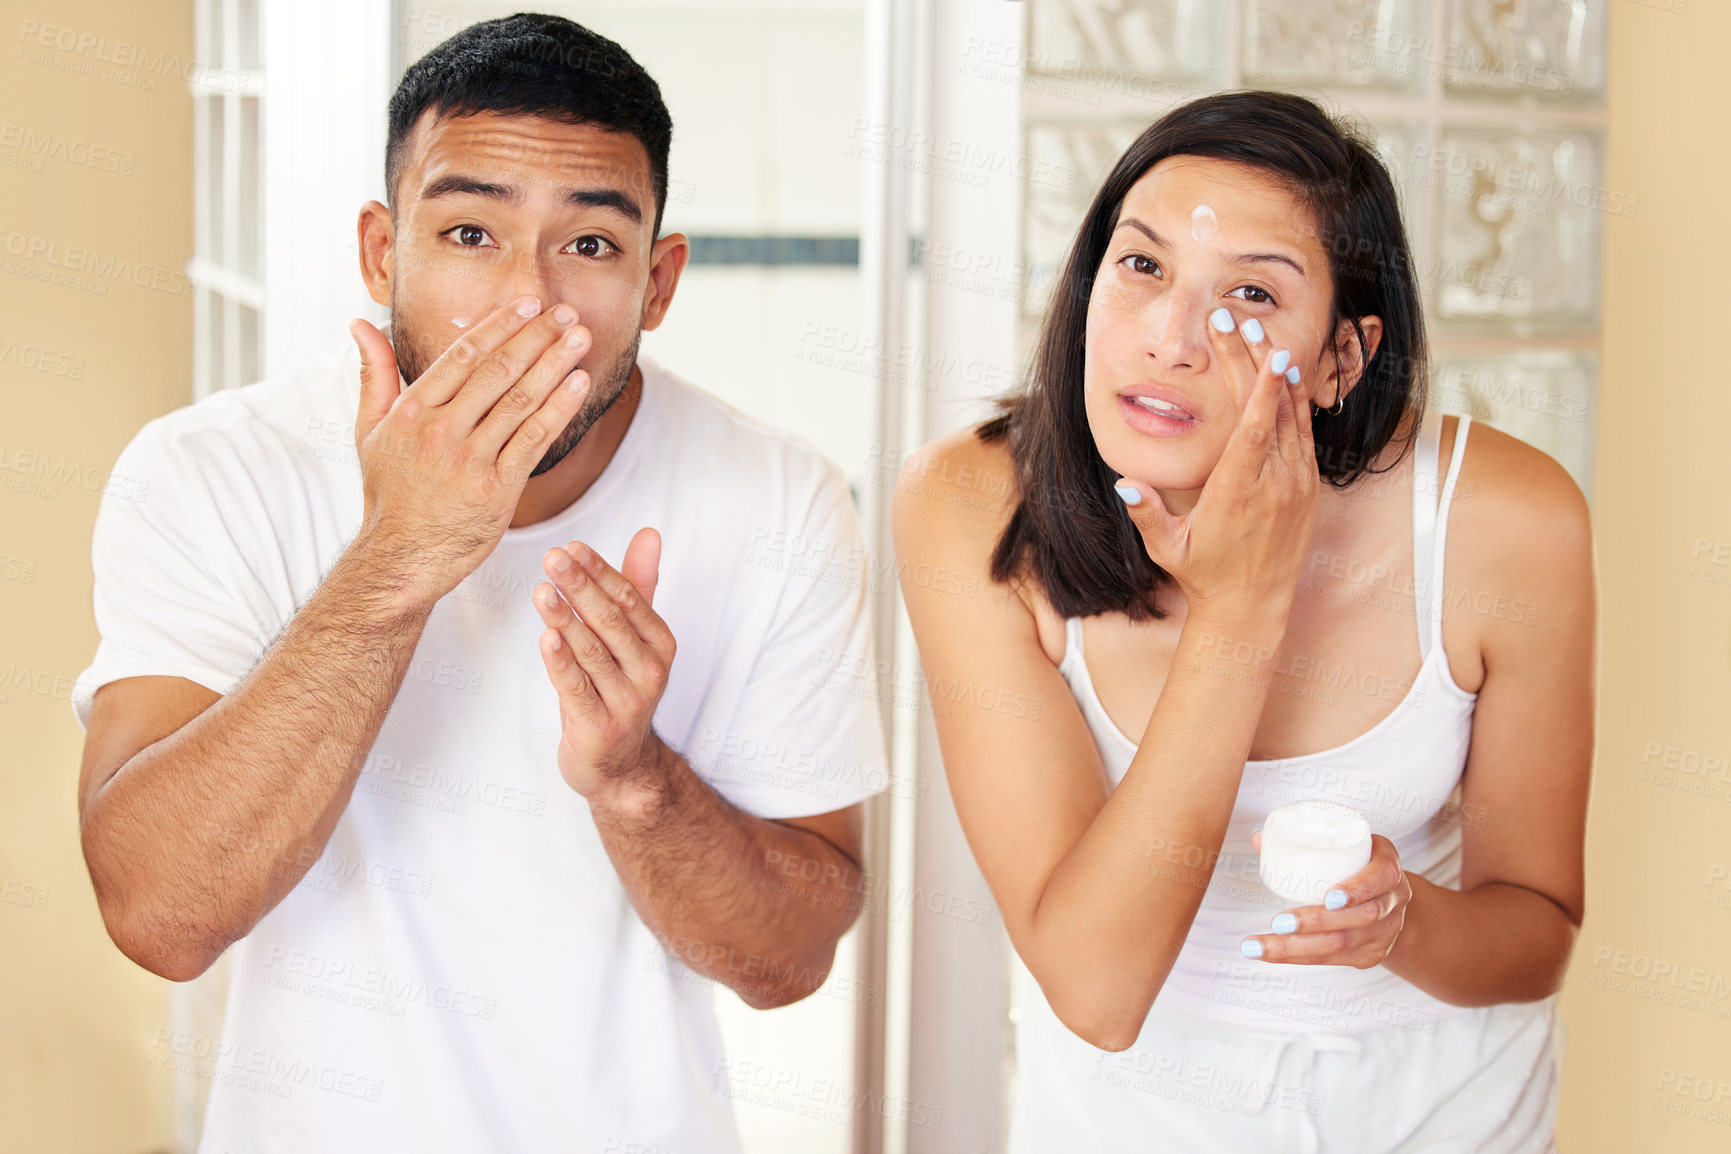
{"x": 530, "y": 276}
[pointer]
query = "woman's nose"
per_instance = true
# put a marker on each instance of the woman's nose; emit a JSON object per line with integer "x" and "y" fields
{"x": 1177, "y": 334}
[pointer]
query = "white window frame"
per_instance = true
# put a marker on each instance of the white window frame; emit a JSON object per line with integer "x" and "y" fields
{"x": 221, "y": 85}
{"x": 321, "y": 122}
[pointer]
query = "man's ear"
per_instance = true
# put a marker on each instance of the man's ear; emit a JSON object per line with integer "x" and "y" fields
{"x": 666, "y": 261}
{"x": 376, "y": 237}
{"x": 1349, "y": 360}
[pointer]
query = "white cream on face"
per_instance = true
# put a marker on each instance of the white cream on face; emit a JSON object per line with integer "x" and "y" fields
{"x": 1203, "y": 223}
{"x": 1309, "y": 847}
{"x": 462, "y": 322}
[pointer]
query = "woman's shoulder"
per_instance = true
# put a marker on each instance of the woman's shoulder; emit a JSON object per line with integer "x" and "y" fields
{"x": 1522, "y": 499}
{"x": 1520, "y": 541}
{"x": 957, "y": 483}
{"x": 954, "y": 499}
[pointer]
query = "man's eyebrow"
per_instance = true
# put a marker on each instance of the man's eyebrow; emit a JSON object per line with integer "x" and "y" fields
{"x": 612, "y": 198}
{"x": 459, "y": 185}
{"x": 456, "y": 185}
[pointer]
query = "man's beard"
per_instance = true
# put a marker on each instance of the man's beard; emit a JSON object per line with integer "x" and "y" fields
{"x": 605, "y": 388}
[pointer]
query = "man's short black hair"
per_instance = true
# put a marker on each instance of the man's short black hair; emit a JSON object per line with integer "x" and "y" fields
{"x": 537, "y": 65}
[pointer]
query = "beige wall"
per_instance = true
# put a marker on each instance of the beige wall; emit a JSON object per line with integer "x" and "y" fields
{"x": 1657, "y": 850}
{"x": 78, "y": 1021}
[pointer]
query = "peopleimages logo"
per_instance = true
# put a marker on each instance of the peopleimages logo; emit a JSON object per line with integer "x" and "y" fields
{"x": 89, "y": 262}
{"x": 121, "y": 61}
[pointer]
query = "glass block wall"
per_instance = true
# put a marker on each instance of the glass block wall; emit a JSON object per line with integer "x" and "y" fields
{"x": 1489, "y": 113}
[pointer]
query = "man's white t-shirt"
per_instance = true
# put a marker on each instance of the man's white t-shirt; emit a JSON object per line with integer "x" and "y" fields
{"x": 462, "y": 970}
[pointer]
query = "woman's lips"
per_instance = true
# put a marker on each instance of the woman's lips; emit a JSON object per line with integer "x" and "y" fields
{"x": 1156, "y": 416}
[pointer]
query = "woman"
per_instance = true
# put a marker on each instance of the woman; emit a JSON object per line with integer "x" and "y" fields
{"x": 1238, "y": 323}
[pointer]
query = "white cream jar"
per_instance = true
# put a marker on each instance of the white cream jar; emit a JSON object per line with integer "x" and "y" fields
{"x": 1310, "y": 847}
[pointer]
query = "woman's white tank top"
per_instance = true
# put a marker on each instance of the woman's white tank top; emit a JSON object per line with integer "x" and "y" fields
{"x": 1403, "y": 774}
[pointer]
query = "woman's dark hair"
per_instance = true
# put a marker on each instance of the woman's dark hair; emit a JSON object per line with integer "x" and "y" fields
{"x": 1069, "y": 530}
{"x": 534, "y": 65}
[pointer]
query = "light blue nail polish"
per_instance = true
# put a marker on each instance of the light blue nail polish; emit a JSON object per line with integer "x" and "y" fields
{"x": 1335, "y": 899}
{"x": 1292, "y": 374}
{"x": 1285, "y": 923}
{"x": 1252, "y": 948}
{"x": 1280, "y": 360}
{"x": 1252, "y": 329}
{"x": 1131, "y": 496}
{"x": 1221, "y": 319}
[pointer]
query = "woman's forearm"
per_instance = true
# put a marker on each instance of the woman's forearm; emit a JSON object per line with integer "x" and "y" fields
{"x": 1494, "y": 943}
{"x": 1116, "y": 911}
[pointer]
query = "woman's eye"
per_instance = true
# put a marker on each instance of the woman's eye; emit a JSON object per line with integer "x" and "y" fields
{"x": 1253, "y": 294}
{"x": 1141, "y": 264}
{"x": 591, "y": 246}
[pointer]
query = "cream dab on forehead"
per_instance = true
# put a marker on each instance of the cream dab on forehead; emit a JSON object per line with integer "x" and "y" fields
{"x": 1203, "y": 222}
{"x": 462, "y": 322}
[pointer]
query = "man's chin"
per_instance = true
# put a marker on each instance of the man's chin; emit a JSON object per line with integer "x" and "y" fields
{"x": 572, "y": 434}
{"x": 558, "y": 450}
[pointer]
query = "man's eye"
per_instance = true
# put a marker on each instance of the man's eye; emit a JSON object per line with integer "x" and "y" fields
{"x": 1254, "y": 295}
{"x": 591, "y": 246}
{"x": 470, "y": 235}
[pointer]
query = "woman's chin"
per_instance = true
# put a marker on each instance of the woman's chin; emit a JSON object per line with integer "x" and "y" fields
{"x": 1166, "y": 468}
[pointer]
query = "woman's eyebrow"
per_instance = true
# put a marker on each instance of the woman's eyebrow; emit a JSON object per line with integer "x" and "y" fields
{"x": 1261, "y": 257}
{"x": 1132, "y": 222}
{"x": 1242, "y": 258}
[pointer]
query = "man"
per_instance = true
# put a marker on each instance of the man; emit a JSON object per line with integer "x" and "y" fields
{"x": 465, "y": 887}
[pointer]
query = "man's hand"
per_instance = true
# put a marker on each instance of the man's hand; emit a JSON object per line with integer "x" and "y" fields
{"x": 706, "y": 877}
{"x": 444, "y": 461}
{"x": 608, "y": 653}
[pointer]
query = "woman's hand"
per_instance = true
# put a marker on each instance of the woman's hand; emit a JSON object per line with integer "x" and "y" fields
{"x": 1236, "y": 554}
{"x": 1359, "y": 929}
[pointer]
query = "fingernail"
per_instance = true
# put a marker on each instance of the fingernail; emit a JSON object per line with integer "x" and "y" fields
{"x": 1335, "y": 899}
{"x": 527, "y": 306}
{"x": 1252, "y": 329}
{"x": 1285, "y": 923}
{"x": 573, "y": 338}
{"x": 1221, "y": 319}
{"x": 561, "y": 561}
{"x": 1292, "y": 375}
{"x": 1131, "y": 496}
{"x": 564, "y": 314}
{"x": 1280, "y": 359}
{"x": 577, "y": 381}
{"x": 1252, "y": 948}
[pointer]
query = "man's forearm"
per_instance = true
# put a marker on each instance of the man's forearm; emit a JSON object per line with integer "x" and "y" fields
{"x": 1496, "y": 943}
{"x": 713, "y": 883}
{"x": 199, "y": 835}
